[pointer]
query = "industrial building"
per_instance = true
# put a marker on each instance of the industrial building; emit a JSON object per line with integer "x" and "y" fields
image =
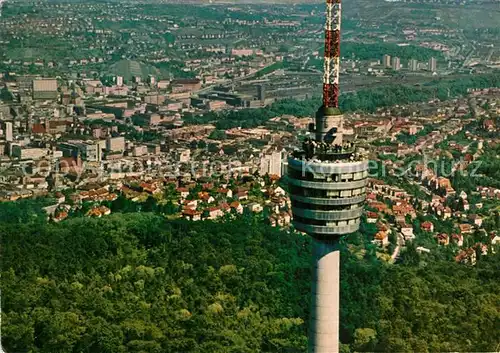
{"x": 45, "y": 89}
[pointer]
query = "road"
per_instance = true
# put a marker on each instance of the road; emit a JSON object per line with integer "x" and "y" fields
{"x": 398, "y": 248}
{"x": 229, "y": 82}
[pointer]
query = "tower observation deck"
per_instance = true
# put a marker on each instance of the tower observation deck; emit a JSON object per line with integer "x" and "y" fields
{"x": 327, "y": 181}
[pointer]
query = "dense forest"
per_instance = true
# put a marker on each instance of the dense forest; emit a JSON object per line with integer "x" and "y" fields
{"x": 140, "y": 283}
{"x": 367, "y": 100}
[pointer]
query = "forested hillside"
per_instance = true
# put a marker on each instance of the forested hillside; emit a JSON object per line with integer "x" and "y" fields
{"x": 139, "y": 283}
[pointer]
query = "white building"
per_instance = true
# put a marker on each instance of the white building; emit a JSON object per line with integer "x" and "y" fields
{"x": 184, "y": 155}
{"x": 271, "y": 164}
{"x": 8, "y": 131}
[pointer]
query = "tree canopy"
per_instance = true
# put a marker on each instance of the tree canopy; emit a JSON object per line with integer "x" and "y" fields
{"x": 137, "y": 282}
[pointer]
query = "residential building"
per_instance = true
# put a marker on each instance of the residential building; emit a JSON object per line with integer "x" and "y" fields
{"x": 386, "y": 61}
{"x": 396, "y": 64}
{"x": 261, "y": 93}
{"x": 8, "y": 131}
{"x": 381, "y": 238}
{"x": 192, "y": 215}
{"x": 413, "y": 65}
{"x": 254, "y": 207}
{"x": 271, "y": 164}
{"x": 432, "y": 64}
{"x": 242, "y": 52}
{"x": 427, "y": 226}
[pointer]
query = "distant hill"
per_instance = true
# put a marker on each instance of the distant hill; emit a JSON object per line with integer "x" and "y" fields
{"x": 245, "y": 1}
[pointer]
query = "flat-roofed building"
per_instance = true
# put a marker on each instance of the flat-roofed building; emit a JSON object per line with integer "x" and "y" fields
{"x": 88, "y": 151}
{"x": 45, "y": 89}
{"x": 140, "y": 150}
{"x": 28, "y": 153}
{"x": 185, "y": 85}
{"x": 4, "y": 112}
{"x": 155, "y": 99}
{"x": 115, "y": 144}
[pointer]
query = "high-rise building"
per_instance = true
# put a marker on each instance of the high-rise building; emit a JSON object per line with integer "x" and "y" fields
{"x": 327, "y": 181}
{"x": 396, "y": 64}
{"x": 261, "y": 92}
{"x": 271, "y": 164}
{"x": 119, "y": 81}
{"x": 413, "y": 65}
{"x": 8, "y": 132}
{"x": 386, "y": 61}
{"x": 432, "y": 64}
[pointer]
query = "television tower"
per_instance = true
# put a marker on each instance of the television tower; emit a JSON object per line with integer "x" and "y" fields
{"x": 327, "y": 181}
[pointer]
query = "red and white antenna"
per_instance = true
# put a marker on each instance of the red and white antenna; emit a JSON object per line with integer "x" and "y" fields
{"x": 332, "y": 54}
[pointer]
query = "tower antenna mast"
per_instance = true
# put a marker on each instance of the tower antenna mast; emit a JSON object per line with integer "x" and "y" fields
{"x": 332, "y": 54}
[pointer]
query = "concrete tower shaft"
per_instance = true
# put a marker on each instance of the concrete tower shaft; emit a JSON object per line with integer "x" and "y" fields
{"x": 324, "y": 323}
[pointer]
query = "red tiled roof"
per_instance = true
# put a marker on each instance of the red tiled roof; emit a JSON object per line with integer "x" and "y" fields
{"x": 235, "y": 204}
{"x": 190, "y": 212}
{"x": 38, "y": 129}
